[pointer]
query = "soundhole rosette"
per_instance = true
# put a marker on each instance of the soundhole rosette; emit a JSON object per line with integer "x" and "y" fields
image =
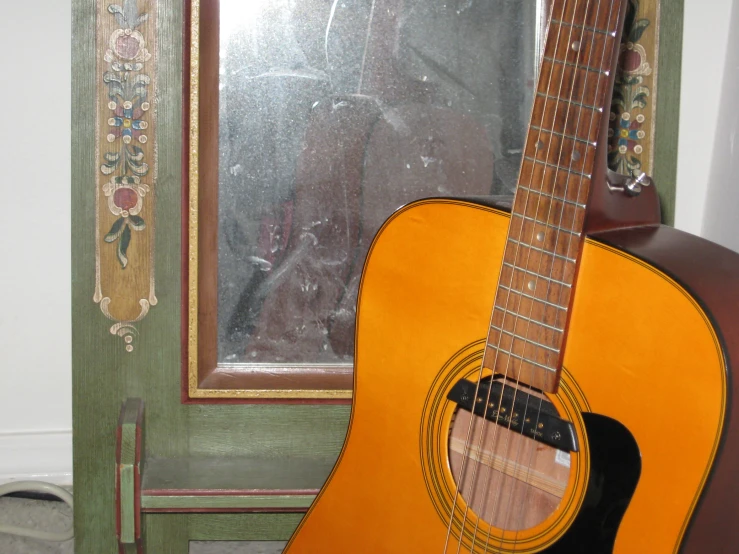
{"x": 441, "y": 450}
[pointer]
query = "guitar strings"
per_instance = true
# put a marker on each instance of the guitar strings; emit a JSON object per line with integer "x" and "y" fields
{"x": 495, "y": 359}
{"x": 467, "y": 444}
{"x": 495, "y": 438}
{"x": 540, "y": 194}
{"x": 569, "y": 105}
{"x": 567, "y": 185}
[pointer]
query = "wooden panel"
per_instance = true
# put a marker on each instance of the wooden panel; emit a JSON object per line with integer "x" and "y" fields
{"x": 129, "y": 448}
{"x": 667, "y": 119}
{"x": 267, "y": 431}
{"x": 242, "y": 527}
{"x": 239, "y": 475}
{"x": 126, "y": 164}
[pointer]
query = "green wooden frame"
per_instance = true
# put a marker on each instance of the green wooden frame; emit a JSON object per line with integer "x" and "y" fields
{"x": 104, "y": 375}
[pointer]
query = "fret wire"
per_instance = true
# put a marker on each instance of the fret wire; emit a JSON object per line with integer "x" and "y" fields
{"x": 532, "y": 362}
{"x": 566, "y": 169}
{"x": 563, "y": 200}
{"x": 533, "y": 298}
{"x": 585, "y": 27}
{"x": 606, "y": 45}
{"x": 536, "y": 221}
{"x": 543, "y": 251}
{"x": 530, "y": 341}
{"x": 577, "y": 66}
{"x": 571, "y": 102}
{"x": 568, "y": 137}
{"x": 538, "y": 275}
{"x": 518, "y": 316}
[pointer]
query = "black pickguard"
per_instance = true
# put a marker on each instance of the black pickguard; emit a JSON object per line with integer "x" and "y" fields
{"x": 615, "y": 467}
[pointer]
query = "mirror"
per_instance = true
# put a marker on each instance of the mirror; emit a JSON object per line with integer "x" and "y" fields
{"x": 331, "y": 115}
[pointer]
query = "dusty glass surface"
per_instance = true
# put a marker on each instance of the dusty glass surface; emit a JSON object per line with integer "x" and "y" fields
{"x": 334, "y": 113}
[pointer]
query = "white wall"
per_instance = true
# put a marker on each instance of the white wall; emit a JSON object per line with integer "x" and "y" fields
{"x": 35, "y": 332}
{"x": 721, "y": 215}
{"x": 705, "y": 47}
{"x": 35, "y": 335}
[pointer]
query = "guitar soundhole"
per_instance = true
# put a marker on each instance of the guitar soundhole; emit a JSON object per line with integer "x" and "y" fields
{"x": 510, "y": 481}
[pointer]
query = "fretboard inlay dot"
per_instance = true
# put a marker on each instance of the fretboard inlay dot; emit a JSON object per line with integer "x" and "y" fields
{"x": 527, "y": 331}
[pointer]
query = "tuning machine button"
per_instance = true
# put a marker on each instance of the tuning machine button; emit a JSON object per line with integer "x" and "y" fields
{"x": 630, "y": 186}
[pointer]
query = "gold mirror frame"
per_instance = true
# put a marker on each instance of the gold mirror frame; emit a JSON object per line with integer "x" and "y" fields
{"x": 206, "y": 379}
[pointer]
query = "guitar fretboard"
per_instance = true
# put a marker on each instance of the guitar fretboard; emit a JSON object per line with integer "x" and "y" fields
{"x": 529, "y": 320}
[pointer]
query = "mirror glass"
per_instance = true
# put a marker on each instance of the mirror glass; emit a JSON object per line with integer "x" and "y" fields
{"x": 334, "y": 113}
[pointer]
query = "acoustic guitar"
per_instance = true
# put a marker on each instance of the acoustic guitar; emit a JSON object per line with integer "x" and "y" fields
{"x": 554, "y": 377}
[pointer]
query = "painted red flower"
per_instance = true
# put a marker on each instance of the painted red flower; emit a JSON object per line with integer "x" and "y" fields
{"x": 125, "y": 198}
{"x": 631, "y": 60}
{"x": 127, "y": 46}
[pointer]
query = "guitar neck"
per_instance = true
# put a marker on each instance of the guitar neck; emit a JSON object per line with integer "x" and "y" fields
{"x": 529, "y": 321}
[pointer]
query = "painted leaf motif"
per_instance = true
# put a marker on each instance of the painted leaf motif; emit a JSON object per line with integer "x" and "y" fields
{"x": 640, "y": 101}
{"x": 117, "y": 11}
{"x": 115, "y": 85}
{"x": 141, "y": 19}
{"x": 135, "y": 163}
{"x": 136, "y": 153}
{"x": 123, "y": 246}
{"x": 131, "y": 9}
{"x": 137, "y": 222}
{"x": 140, "y": 87}
{"x": 111, "y": 162}
{"x": 115, "y": 230}
{"x": 638, "y": 30}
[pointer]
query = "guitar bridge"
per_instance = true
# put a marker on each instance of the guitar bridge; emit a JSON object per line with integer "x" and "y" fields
{"x": 516, "y": 410}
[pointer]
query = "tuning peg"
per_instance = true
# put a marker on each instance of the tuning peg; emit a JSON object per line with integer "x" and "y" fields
{"x": 631, "y": 186}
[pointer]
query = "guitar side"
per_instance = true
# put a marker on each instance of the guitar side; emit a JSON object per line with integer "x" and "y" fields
{"x": 641, "y": 350}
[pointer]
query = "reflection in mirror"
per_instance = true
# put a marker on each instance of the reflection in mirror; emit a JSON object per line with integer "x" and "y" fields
{"x": 334, "y": 113}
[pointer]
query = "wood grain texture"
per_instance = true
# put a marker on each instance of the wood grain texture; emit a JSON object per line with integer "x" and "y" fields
{"x": 95, "y": 392}
{"x": 104, "y": 376}
{"x": 242, "y": 527}
{"x": 668, "y": 105}
{"x": 129, "y": 449}
{"x": 234, "y": 475}
{"x": 126, "y": 164}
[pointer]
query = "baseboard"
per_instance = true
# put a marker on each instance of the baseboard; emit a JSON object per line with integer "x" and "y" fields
{"x": 36, "y": 456}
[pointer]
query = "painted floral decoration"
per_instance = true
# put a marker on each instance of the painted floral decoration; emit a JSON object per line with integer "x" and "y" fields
{"x": 628, "y": 133}
{"x": 125, "y": 199}
{"x": 630, "y": 98}
{"x": 128, "y": 103}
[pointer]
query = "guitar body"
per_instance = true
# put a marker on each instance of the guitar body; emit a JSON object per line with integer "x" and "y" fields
{"x": 645, "y": 384}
